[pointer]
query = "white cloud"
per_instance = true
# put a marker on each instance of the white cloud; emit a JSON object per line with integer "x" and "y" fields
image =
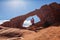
{"x": 2, "y": 21}
{"x": 27, "y": 23}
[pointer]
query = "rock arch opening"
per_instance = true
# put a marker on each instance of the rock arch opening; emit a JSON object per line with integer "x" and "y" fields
{"x": 28, "y": 23}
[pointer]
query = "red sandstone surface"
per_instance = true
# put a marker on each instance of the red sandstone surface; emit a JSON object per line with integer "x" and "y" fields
{"x": 50, "y": 33}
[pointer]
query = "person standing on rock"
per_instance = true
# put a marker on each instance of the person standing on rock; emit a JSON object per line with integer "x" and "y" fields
{"x": 33, "y": 27}
{"x": 32, "y": 21}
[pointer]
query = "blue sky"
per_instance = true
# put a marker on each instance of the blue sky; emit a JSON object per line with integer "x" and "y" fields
{"x": 13, "y": 8}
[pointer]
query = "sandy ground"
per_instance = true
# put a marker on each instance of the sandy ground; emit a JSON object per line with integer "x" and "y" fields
{"x": 50, "y": 33}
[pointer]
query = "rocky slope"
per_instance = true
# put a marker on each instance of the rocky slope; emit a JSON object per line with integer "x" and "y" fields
{"x": 50, "y": 33}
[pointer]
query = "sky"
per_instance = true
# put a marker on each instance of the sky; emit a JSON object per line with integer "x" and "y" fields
{"x": 13, "y": 8}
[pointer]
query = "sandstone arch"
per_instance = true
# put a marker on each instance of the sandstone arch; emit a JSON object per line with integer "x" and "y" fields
{"x": 47, "y": 13}
{"x": 20, "y": 19}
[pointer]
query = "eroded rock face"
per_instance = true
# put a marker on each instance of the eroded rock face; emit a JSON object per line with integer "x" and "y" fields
{"x": 48, "y": 14}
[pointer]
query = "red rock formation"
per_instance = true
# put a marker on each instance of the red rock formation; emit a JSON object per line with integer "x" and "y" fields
{"x": 48, "y": 14}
